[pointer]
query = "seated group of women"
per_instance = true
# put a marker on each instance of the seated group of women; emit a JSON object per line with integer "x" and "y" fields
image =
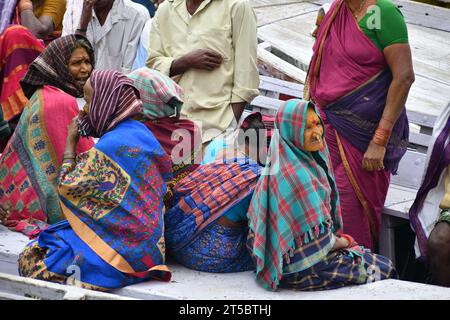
{"x": 108, "y": 213}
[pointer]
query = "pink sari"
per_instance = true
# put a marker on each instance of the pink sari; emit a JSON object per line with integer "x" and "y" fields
{"x": 30, "y": 163}
{"x": 349, "y": 61}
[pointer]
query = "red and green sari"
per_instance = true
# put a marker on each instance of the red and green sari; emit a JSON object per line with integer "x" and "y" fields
{"x": 30, "y": 165}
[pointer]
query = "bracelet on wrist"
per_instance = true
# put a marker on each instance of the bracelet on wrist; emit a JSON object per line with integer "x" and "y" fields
{"x": 70, "y": 155}
{"x": 349, "y": 238}
{"x": 81, "y": 30}
{"x": 381, "y": 136}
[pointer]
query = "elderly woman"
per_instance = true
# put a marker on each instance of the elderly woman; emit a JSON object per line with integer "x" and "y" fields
{"x": 206, "y": 229}
{"x": 359, "y": 77}
{"x": 295, "y": 216}
{"x": 111, "y": 196}
{"x": 30, "y": 163}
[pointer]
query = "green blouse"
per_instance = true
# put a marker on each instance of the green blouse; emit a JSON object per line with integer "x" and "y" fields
{"x": 384, "y": 25}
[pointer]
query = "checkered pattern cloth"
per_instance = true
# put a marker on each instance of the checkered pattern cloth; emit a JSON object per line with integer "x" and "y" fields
{"x": 295, "y": 199}
{"x": 161, "y": 96}
{"x": 339, "y": 269}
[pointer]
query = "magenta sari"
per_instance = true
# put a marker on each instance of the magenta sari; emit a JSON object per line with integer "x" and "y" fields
{"x": 349, "y": 80}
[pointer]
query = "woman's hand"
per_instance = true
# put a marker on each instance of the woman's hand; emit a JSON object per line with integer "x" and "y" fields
{"x": 5, "y": 210}
{"x": 25, "y": 5}
{"x": 341, "y": 243}
{"x": 73, "y": 135}
{"x": 374, "y": 157}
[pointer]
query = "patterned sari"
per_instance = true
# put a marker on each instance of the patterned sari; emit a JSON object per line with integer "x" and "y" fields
{"x": 162, "y": 102}
{"x": 193, "y": 236}
{"x": 30, "y": 164}
{"x": 114, "y": 233}
{"x": 295, "y": 213}
{"x": 112, "y": 199}
{"x": 349, "y": 80}
{"x": 18, "y": 49}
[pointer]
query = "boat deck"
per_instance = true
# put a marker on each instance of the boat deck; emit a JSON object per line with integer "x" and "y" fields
{"x": 284, "y": 51}
{"x": 190, "y": 284}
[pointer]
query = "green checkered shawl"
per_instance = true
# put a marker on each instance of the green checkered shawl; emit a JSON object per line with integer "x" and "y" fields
{"x": 295, "y": 200}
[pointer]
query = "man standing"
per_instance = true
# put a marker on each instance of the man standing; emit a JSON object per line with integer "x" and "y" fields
{"x": 114, "y": 29}
{"x": 209, "y": 48}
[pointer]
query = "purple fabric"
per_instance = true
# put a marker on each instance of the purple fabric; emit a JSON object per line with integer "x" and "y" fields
{"x": 356, "y": 117}
{"x": 6, "y": 13}
{"x": 439, "y": 160}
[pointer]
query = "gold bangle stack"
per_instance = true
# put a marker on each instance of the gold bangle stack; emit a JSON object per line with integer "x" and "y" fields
{"x": 69, "y": 156}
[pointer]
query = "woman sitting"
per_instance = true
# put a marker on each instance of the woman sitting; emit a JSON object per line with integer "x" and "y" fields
{"x": 35, "y": 25}
{"x": 30, "y": 163}
{"x": 162, "y": 101}
{"x": 111, "y": 196}
{"x": 295, "y": 217}
{"x": 207, "y": 229}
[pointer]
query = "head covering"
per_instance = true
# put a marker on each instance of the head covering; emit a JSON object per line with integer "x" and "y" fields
{"x": 51, "y": 68}
{"x": 161, "y": 96}
{"x": 295, "y": 200}
{"x": 113, "y": 100}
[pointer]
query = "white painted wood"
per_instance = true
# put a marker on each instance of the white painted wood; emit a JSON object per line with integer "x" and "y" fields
{"x": 425, "y": 15}
{"x": 268, "y": 14}
{"x": 22, "y": 288}
{"x": 270, "y": 64}
{"x": 280, "y": 86}
{"x": 189, "y": 284}
{"x": 410, "y": 170}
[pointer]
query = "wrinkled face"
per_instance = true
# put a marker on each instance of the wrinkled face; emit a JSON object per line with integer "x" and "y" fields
{"x": 80, "y": 66}
{"x": 313, "y": 140}
{"x": 87, "y": 95}
{"x": 320, "y": 16}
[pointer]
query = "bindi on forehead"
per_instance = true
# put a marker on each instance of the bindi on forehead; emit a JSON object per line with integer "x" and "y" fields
{"x": 314, "y": 121}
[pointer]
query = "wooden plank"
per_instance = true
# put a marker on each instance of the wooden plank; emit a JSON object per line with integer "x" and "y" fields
{"x": 421, "y": 118}
{"x": 412, "y": 162}
{"x": 284, "y": 87}
{"x": 271, "y": 65}
{"x": 430, "y": 52}
{"x": 425, "y": 15}
{"x": 273, "y": 13}
{"x": 428, "y": 97}
{"x": 419, "y": 139}
{"x": 37, "y": 289}
{"x": 291, "y": 39}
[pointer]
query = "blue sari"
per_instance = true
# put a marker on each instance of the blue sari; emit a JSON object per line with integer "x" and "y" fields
{"x": 112, "y": 199}
{"x": 193, "y": 236}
